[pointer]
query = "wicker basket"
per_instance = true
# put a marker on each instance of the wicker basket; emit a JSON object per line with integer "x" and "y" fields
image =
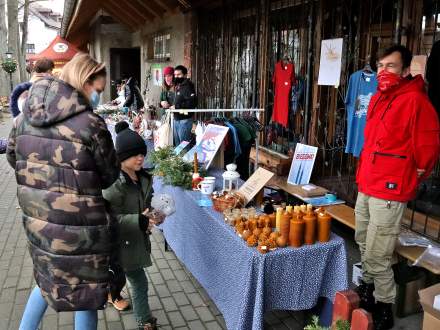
{"x": 227, "y": 201}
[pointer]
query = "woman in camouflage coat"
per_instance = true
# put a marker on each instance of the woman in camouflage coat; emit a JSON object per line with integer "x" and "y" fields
{"x": 63, "y": 157}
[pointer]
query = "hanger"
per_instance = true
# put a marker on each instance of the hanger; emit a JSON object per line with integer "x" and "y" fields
{"x": 367, "y": 68}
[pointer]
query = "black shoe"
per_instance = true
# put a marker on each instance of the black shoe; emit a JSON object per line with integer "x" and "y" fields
{"x": 365, "y": 293}
{"x": 383, "y": 316}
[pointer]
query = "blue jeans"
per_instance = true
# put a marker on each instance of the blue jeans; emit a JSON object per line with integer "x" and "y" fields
{"x": 182, "y": 130}
{"x": 36, "y": 306}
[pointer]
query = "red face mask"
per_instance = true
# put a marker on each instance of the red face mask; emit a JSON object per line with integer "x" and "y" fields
{"x": 387, "y": 80}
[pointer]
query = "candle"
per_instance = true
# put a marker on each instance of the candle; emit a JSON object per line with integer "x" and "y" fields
{"x": 289, "y": 208}
{"x": 310, "y": 227}
{"x": 324, "y": 224}
{"x": 296, "y": 231}
{"x": 285, "y": 225}
{"x": 278, "y": 218}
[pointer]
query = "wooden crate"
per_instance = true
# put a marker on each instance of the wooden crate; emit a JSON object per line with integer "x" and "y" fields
{"x": 271, "y": 160}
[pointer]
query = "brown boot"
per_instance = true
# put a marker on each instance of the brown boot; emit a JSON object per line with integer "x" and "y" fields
{"x": 120, "y": 303}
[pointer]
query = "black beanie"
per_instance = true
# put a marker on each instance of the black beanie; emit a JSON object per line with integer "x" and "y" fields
{"x": 128, "y": 142}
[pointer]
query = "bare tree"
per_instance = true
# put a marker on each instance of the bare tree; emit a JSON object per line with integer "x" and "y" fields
{"x": 13, "y": 35}
{"x": 4, "y": 78}
{"x": 24, "y": 35}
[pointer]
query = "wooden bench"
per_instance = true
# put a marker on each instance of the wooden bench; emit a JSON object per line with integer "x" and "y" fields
{"x": 345, "y": 215}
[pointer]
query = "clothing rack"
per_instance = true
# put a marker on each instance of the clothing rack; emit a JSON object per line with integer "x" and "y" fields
{"x": 257, "y": 140}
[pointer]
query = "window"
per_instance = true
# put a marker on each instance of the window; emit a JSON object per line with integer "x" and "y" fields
{"x": 158, "y": 47}
{"x": 162, "y": 45}
{"x": 30, "y": 48}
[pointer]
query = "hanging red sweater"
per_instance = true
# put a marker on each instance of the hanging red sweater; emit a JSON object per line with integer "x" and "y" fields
{"x": 283, "y": 78}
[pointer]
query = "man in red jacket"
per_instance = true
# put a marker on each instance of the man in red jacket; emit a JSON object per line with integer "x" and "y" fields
{"x": 400, "y": 150}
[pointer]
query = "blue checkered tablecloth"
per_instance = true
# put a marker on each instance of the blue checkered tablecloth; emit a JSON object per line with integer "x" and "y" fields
{"x": 242, "y": 282}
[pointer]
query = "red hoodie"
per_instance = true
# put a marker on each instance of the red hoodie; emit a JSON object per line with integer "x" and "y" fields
{"x": 401, "y": 136}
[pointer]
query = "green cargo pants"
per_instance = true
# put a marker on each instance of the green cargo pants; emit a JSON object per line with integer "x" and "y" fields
{"x": 377, "y": 230}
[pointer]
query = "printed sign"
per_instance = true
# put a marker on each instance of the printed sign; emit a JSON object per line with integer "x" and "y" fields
{"x": 255, "y": 183}
{"x": 211, "y": 141}
{"x": 302, "y": 164}
{"x": 157, "y": 74}
{"x": 331, "y": 61}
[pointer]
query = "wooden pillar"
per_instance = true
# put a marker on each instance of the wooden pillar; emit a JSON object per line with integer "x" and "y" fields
{"x": 263, "y": 59}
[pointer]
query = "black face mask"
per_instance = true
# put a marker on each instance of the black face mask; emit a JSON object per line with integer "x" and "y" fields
{"x": 179, "y": 80}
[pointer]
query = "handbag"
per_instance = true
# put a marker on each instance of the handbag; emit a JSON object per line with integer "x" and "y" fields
{"x": 162, "y": 135}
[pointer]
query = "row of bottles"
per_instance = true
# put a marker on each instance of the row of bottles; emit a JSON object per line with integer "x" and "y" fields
{"x": 301, "y": 225}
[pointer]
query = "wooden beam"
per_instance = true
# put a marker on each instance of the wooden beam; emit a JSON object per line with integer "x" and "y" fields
{"x": 151, "y": 7}
{"x": 137, "y": 9}
{"x": 168, "y": 5}
{"x": 185, "y": 4}
{"x": 120, "y": 17}
{"x": 122, "y": 7}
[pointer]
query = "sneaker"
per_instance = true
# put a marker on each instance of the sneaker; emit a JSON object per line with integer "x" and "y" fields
{"x": 120, "y": 303}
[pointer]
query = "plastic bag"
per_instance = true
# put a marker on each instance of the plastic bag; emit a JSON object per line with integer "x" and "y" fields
{"x": 162, "y": 136}
{"x": 412, "y": 239}
{"x": 163, "y": 203}
{"x": 431, "y": 257}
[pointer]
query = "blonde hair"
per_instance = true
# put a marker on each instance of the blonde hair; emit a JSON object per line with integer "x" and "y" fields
{"x": 82, "y": 68}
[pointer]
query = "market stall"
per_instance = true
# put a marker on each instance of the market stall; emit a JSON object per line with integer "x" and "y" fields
{"x": 241, "y": 281}
{"x": 60, "y": 51}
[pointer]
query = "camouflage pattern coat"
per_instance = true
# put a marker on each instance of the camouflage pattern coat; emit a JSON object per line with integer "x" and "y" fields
{"x": 127, "y": 200}
{"x": 63, "y": 157}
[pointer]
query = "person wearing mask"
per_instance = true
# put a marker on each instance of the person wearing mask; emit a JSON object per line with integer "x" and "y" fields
{"x": 130, "y": 199}
{"x": 63, "y": 156}
{"x": 133, "y": 97}
{"x": 168, "y": 94}
{"x": 400, "y": 150}
{"x": 185, "y": 99}
{"x": 42, "y": 68}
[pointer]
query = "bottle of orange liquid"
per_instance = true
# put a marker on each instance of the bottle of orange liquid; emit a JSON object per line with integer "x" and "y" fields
{"x": 324, "y": 225}
{"x": 296, "y": 232}
{"x": 309, "y": 227}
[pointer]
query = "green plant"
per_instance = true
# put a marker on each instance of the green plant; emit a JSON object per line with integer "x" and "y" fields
{"x": 174, "y": 170}
{"x": 315, "y": 324}
{"x": 10, "y": 65}
{"x": 342, "y": 325}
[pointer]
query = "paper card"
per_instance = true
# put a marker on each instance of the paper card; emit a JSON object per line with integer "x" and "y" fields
{"x": 330, "y": 63}
{"x": 211, "y": 141}
{"x": 255, "y": 183}
{"x": 302, "y": 164}
{"x": 180, "y": 147}
{"x": 308, "y": 187}
{"x": 418, "y": 65}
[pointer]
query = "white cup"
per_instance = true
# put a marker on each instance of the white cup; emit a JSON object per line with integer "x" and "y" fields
{"x": 206, "y": 187}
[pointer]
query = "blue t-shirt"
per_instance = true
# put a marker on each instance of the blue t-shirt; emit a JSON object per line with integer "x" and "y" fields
{"x": 361, "y": 87}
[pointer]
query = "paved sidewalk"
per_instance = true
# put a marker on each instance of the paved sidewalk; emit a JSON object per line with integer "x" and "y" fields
{"x": 175, "y": 297}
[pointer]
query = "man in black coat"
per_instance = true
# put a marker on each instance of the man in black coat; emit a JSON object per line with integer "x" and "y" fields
{"x": 185, "y": 99}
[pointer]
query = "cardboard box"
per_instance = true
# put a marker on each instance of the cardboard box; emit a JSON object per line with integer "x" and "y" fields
{"x": 431, "y": 317}
{"x": 357, "y": 273}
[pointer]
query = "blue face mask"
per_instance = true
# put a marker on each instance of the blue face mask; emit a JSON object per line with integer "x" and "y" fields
{"x": 94, "y": 99}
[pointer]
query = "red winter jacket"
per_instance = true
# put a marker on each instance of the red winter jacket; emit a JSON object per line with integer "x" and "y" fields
{"x": 401, "y": 136}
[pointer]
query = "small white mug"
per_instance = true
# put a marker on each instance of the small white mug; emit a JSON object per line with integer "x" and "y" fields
{"x": 206, "y": 187}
